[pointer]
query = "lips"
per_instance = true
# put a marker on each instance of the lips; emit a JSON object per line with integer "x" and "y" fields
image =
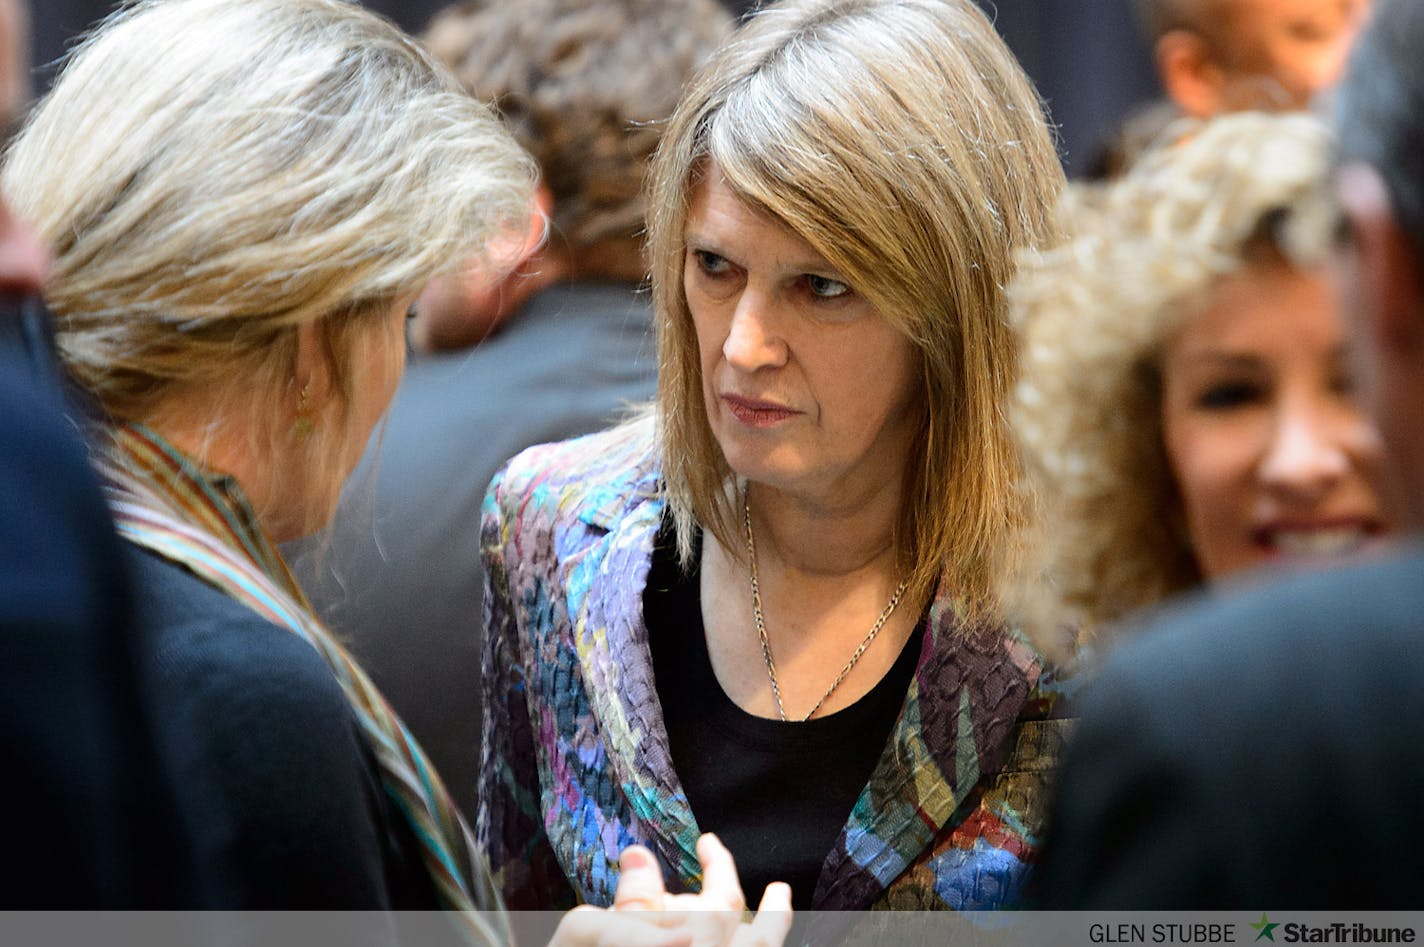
{"x": 757, "y": 413}
{"x": 1317, "y": 540}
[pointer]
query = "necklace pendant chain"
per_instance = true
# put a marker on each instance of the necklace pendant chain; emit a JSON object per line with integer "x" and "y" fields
{"x": 760, "y": 622}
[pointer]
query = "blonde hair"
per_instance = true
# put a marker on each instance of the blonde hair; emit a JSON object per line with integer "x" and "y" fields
{"x": 214, "y": 174}
{"x": 1095, "y": 314}
{"x": 901, "y": 140}
{"x": 585, "y": 86}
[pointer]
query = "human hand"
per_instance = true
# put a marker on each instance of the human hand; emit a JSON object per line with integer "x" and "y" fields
{"x": 645, "y": 915}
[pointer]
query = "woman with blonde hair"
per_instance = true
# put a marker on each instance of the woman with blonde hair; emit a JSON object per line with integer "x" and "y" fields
{"x": 769, "y": 610}
{"x": 1186, "y": 405}
{"x": 243, "y": 198}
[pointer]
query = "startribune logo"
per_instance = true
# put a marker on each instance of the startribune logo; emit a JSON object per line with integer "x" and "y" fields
{"x": 1338, "y": 932}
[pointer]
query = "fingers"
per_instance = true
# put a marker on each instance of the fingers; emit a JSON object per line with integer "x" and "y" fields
{"x": 640, "y": 881}
{"x": 591, "y": 927}
{"x": 773, "y": 919}
{"x": 720, "y": 885}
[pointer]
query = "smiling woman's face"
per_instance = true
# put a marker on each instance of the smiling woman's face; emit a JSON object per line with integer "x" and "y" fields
{"x": 1271, "y": 455}
{"x": 807, "y": 388}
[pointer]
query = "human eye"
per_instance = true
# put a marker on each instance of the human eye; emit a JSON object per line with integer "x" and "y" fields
{"x": 1343, "y": 382}
{"x": 1309, "y": 31}
{"x": 823, "y": 287}
{"x": 1228, "y": 395}
{"x": 709, "y": 263}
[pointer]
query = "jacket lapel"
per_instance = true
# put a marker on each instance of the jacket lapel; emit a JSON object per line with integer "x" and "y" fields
{"x": 964, "y": 698}
{"x": 606, "y": 580}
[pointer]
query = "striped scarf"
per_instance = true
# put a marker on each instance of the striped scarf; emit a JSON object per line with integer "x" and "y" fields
{"x": 162, "y": 502}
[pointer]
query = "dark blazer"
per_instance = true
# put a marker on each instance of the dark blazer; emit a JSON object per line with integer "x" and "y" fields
{"x": 1263, "y": 750}
{"x": 400, "y": 577}
{"x": 92, "y": 823}
{"x": 280, "y": 789}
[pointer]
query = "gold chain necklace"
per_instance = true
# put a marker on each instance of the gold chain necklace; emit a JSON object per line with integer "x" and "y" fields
{"x": 761, "y": 624}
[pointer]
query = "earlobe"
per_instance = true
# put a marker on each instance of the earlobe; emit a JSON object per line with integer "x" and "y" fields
{"x": 1388, "y": 287}
{"x": 312, "y": 378}
{"x": 1189, "y": 74}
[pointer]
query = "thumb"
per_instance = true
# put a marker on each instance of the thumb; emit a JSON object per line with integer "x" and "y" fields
{"x": 640, "y": 881}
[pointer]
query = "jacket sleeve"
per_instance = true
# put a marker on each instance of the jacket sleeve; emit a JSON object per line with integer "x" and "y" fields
{"x": 510, "y": 824}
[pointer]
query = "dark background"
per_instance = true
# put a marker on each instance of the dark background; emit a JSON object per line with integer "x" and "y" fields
{"x": 1088, "y": 57}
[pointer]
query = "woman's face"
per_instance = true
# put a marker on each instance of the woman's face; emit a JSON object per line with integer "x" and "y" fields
{"x": 1271, "y": 455}
{"x": 806, "y": 387}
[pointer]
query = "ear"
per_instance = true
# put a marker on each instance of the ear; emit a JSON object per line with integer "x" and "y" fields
{"x": 312, "y": 377}
{"x": 1189, "y": 73}
{"x": 1388, "y": 286}
{"x": 459, "y": 310}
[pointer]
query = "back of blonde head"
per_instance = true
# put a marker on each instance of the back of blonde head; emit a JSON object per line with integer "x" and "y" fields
{"x": 1095, "y": 313}
{"x": 901, "y": 140}
{"x": 214, "y": 173}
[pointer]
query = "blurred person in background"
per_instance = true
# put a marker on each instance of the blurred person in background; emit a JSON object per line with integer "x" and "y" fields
{"x": 586, "y": 87}
{"x": 1187, "y": 407}
{"x": 1217, "y": 56}
{"x": 14, "y": 58}
{"x": 768, "y": 611}
{"x": 1264, "y": 747}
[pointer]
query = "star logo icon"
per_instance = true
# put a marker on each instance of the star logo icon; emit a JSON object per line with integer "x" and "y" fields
{"x": 1265, "y": 928}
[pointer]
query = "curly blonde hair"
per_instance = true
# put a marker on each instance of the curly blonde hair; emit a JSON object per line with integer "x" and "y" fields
{"x": 1094, "y": 315}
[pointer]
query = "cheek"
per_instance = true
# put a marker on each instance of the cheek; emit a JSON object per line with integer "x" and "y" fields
{"x": 1209, "y": 459}
{"x": 708, "y": 336}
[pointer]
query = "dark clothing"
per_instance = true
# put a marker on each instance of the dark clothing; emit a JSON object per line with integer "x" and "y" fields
{"x": 1265, "y": 749}
{"x": 281, "y": 792}
{"x": 93, "y": 823}
{"x": 401, "y": 578}
{"x": 776, "y": 793}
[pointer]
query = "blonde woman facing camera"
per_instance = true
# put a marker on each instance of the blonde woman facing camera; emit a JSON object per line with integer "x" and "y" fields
{"x": 1187, "y": 399}
{"x": 769, "y": 611}
{"x": 243, "y": 197}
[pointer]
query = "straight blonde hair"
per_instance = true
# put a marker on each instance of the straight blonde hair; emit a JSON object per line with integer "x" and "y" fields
{"x": 902, "y": 141}
{"x": 214, "y": 174}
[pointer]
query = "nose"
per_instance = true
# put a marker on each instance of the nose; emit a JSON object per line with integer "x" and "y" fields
{"x": 1307, "y": 455}
{"x": 752, "y": 342}
{"x": 24, "y": 262}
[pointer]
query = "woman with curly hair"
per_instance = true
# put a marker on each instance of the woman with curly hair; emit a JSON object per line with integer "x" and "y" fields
{"x": 1186, "y": 404}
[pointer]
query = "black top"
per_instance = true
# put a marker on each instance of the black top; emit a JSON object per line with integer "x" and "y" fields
{"x": 776, "y": 793}
{"x": 279, "y": 788}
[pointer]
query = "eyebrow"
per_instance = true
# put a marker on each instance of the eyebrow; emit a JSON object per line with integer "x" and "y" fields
{"x": 1228, "y": 358}
{"x": 817, "y": 265}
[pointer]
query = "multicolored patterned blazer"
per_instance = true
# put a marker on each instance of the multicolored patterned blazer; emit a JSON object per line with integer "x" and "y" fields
{"x": 576, "y": 766}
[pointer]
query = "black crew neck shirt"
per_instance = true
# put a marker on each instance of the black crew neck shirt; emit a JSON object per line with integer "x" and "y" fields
{"x": 776, "y": 793}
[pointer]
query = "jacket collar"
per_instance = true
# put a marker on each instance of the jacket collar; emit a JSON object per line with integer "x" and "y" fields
{"x": 969, "y": 687}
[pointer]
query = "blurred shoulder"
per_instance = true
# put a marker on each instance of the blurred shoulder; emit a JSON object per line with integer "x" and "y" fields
{"x": 1309, "y": 616}
{"x": 1302, "y": 641}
